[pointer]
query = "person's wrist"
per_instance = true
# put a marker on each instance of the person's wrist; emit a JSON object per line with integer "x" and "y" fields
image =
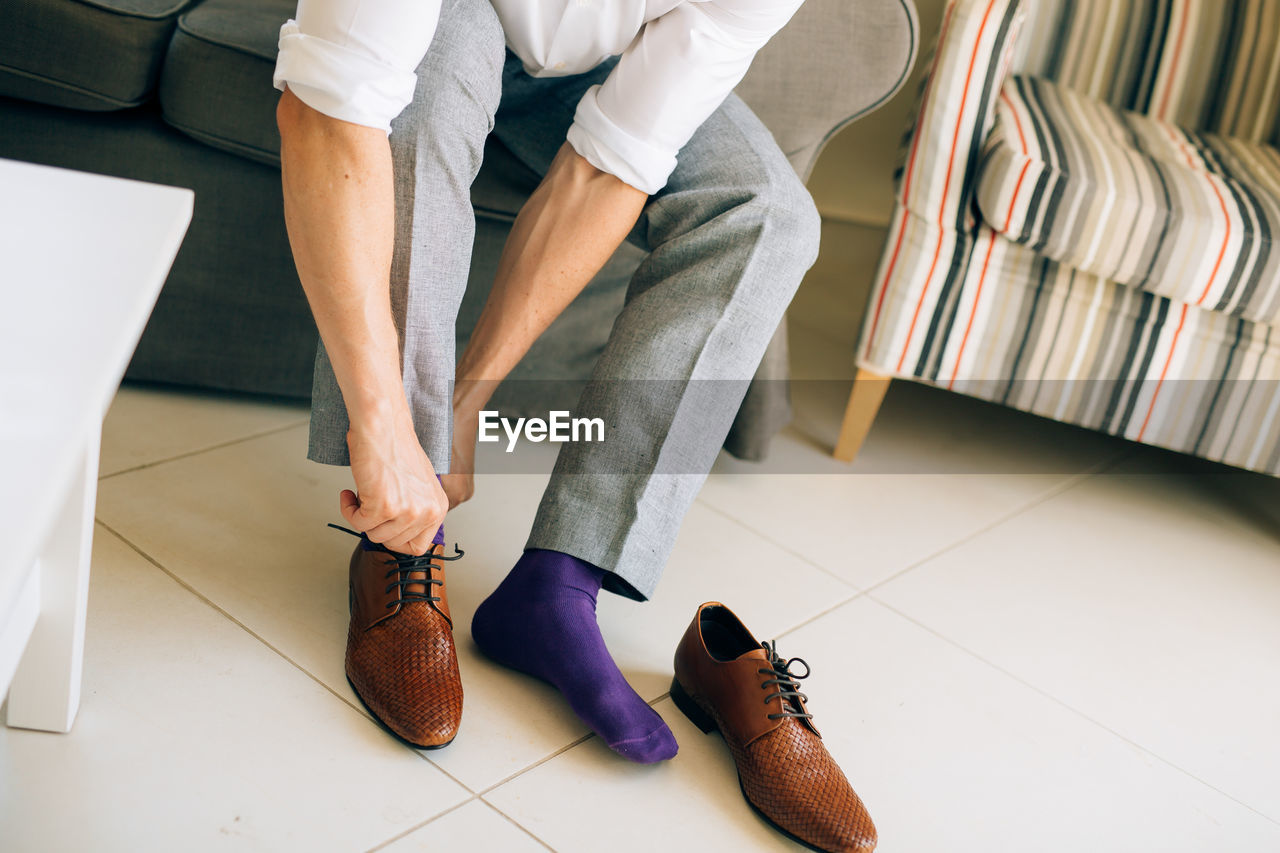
{"x": 470, "y": 396}
{"x": 379, "y": 417}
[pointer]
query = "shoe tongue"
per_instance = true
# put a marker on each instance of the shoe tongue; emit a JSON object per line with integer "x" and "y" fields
{"x": 755, "y": 654}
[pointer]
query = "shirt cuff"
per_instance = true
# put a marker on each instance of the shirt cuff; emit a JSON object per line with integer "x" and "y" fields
{"x": 605, "y": 145}
{"x": 340, "y": 82}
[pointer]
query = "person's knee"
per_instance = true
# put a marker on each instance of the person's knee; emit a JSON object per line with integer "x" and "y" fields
{"x": 792, "y": 220}
{"x": 787, "y": 229}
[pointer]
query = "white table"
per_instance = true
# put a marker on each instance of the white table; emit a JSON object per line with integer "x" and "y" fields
{"x": 82, "y": 259}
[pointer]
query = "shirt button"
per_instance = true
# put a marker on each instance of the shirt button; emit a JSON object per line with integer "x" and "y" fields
{"x": 559, "y": 66}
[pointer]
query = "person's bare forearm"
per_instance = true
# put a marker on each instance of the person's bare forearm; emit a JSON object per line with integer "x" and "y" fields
{"x": 339, "y": 209}
{"x": 339, "y": 206}
{"x": 564, "y": 234}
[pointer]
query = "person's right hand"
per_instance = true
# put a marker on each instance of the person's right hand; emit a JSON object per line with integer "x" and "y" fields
{"x": 398, "y": 501}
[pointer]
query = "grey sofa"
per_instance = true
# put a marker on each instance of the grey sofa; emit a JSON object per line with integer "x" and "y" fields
{"x": 179, "y": 92}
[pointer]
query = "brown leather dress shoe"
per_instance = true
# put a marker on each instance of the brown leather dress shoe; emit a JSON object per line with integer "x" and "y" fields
{"x": 401, "y": 659}
{"x": 726, "y": 680}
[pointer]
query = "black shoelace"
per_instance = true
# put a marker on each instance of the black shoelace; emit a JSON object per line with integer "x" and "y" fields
{"x": 404, "y": 565}
{"x": 788, "y": 695}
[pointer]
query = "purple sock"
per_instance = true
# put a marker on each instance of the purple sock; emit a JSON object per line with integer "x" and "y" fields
{"x": 541, "y": 620}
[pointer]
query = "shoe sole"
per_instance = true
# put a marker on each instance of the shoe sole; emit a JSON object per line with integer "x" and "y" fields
{"x": 707, "y": 725}
{"x": 392, "y": 731}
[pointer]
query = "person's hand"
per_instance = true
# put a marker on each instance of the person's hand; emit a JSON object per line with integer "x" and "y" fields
{"x": 398, "y": 501}
{"x": 460, "y": 483}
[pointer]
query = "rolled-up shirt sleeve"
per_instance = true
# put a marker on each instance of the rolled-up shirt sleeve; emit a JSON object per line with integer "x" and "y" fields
{"x": 668, "y": 82}
{"x": 355, "y": 60}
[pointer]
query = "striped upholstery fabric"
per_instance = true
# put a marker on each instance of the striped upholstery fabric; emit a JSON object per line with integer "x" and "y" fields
{"x": 1019, "y": 329}
{"x": 937, "y": 181}
{"x": 1211, "y": 65}
{"x": 958, "y": 305}
{"x": 1135, "y": 199}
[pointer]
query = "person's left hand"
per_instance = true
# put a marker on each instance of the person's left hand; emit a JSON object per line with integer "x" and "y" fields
{"x": 459, "y": 484}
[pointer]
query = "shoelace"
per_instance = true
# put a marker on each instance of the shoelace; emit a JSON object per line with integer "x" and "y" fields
{"x": 786, "y": 682}
{"x": 405, "y": 565}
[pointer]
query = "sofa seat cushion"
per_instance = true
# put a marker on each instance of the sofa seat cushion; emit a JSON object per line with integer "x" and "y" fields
{"x": 1190, "y": 216}
{"x": 216, "y": 84}
{"x": 85, "y": 54}
{"x": 216, "y": 87}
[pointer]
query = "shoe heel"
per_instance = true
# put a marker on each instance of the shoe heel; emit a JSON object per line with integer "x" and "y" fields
{"x": 690, "y": 708}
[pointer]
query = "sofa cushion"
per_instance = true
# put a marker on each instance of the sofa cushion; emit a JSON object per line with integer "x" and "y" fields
{"x": 1190, "y": 216}
{"x": 216, "y": 87}
{"x": 85, "y": 54}
{"x": 216, "y": 84}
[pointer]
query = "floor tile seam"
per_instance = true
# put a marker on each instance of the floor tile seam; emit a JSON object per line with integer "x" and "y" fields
{"x": 819, "y": 615}
{"x": 517, "y": 824}
{"x": 1058, "y": 489}
{"x": 779, "y": 545}
{"x": 222, "y": 612}
{"x": 1052, "y": 492}
{"x": 421, "y": 754}
{"x": 1072, "y": 709}
{"x": 218, "y": 446}
{"x": 536, "y": 764}
{"x": 417, "y": 826}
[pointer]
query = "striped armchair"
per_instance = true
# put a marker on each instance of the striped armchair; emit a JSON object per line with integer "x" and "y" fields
{"x": 1084, "y": 224}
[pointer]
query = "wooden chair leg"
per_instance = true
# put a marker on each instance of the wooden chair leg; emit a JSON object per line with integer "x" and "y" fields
{"x": 864, "y": 402}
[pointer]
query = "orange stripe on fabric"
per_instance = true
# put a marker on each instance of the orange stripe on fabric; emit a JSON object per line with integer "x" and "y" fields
{"x": 1172, "y": 349}
{"x": 884, "y": 285}
{"x": 1222, "y": 205}
{"x": 946, "y": 187}
{"x": 1222, "y": 252}
{"x": 924, "y": 106}
{"x": 906, "y": 191}
{"x": 1177, "y": 57}
{"x": 1013, "y": 202}
{"x": 1017, "y": 122}
{"x": 973, "y": 313}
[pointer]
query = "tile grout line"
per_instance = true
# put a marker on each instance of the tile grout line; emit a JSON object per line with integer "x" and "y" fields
{"x": 473, "y": 792}
{"x": 784, "y": 548}
{"x": 556, "y": 754}
{"x": 517, "y": 824}
{"x": 1075, "y": 479}
{"x": 815, "y": 617}
{"x": 189, "y": 453}
{"x": 182, "y": 583}
{"x": 1048, "y": 495}
{"x": 393, "y": 839}
{"x": 1068, "y": 483}
{"x": 1073, "y": 710}
{"x": 535, "y": 765}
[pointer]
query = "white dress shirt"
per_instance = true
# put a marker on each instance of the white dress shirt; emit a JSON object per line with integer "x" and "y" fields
{"x": 355, "y": 60}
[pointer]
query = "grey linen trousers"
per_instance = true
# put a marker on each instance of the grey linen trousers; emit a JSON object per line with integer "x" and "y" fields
{"x": 727, "y": 241}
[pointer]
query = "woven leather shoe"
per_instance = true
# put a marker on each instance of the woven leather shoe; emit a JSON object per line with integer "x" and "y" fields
{"x": 726, "y": 680}
{"x": 401, "y": 661}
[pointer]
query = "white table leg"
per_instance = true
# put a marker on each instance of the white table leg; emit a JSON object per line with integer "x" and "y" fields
{"x": 45, "y": 693}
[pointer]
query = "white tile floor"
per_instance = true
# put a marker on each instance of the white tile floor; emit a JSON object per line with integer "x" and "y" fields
{"x": 1025, "y": 637}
